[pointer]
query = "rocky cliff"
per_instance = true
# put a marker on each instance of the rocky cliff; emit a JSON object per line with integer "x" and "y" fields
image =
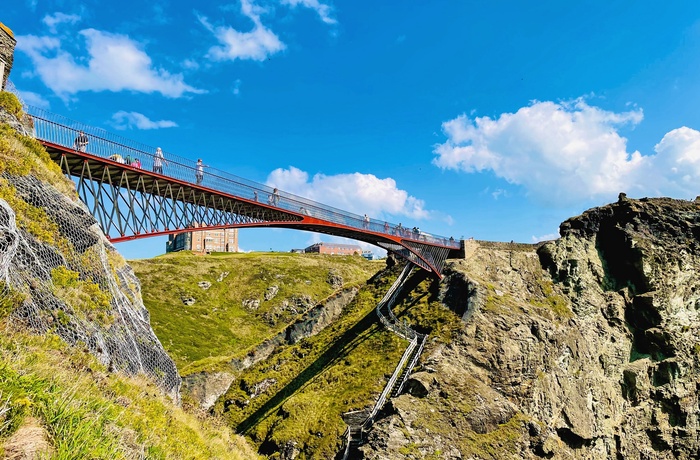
{"x": 584, "y": 347}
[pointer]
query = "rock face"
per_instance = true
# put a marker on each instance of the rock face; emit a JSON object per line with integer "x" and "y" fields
{"x": 584, "y": 347}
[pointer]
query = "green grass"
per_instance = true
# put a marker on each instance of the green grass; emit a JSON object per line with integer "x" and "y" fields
{"x": 22, "y": 155}
{"x": 89, "y": 413}
{"x": 218, "y": 325}
{"x": 421, "y": 310}
{"x": 552, "y": 302}
{"x": 342, "y": 368}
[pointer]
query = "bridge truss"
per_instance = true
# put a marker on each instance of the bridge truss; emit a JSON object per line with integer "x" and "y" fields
{"x": 132, "y": 202}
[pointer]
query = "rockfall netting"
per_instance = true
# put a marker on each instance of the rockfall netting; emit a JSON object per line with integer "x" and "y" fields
{"x": 64, "y": 277}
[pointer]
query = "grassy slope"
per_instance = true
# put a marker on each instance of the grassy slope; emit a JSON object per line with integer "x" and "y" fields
{"x": 89, "y": 413}
{"x": 313, "y": 382}
{"x": 343, "y": 368}
{"x": 218, "y": 325}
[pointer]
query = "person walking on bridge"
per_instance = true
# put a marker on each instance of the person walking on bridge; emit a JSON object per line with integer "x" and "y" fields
{"x": 158, "y": 161}
{"x": 365, "y": 222}
{"x": 199, "y": 173}
{"x": 275, "y": 197}
{"x": 81, "y": 142}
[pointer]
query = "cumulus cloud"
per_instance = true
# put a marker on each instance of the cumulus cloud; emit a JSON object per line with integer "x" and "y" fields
{"x": 113, "y": 63}
{"x": 559, "y": 152}
{"x": 256, "y": 45}
{"x": 124, "y": 120}
{"x": 59, "y": 18}
{"x": 356, "y": 192}
{"x": 324, "y": 11}
{"x": 570, "y": 152}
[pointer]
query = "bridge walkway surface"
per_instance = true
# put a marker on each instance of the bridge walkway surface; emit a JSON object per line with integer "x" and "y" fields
{"x": 140, "y": 200}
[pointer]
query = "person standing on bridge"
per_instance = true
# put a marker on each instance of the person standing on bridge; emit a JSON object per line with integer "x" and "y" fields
{"x": 275, "y": 197}
{"x": 81, "y": 142}
{"x": 158, "y": 160}
{"x": 365, "y": 222}
{"x": 199, "y": 173}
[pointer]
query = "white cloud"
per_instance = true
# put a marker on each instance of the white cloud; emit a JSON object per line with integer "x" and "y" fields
{"x": 114, "y": 63}
{"x": 566, "y": 153}
{"x": 59, "y": 18}
{"x": 356, "y": 192}
{"x": 324, "y": 11}
{"x": 34, "y": 99}
{"x": 676, "y": 165}
{"x": 190, "y": 64}
{"x": 255, "y": 45}
{"x": 546, "y": 237}
{"x": 237, "y": 87}
{"x": 559, "y": 152}
{"x": 124, "y": 120}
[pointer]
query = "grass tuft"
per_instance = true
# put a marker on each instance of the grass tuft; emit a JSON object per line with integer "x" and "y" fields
{"x": 89, "y": 413}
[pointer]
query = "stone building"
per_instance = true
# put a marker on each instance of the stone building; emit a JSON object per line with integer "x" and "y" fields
{"x": 219, "y": 240}
{"x": 334, "y": 248}
{"x": 7, "y": 50}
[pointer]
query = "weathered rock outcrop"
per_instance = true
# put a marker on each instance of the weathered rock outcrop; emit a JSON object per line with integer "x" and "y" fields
{"x": 584, "y": 347}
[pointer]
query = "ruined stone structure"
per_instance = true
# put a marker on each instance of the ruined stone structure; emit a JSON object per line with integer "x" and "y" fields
{"x": 7, "y": 50}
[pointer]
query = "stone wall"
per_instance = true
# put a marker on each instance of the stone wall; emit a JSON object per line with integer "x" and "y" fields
{"x": 7, "y": 50}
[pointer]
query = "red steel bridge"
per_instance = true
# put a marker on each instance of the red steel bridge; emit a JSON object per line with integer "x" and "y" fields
{"x": 136, "y": 202}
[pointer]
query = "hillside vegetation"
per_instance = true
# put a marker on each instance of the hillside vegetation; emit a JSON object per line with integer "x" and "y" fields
{"x": 293, "y": 402}
{"x": 57, "y": 401}
{"x": 290, "y": 404}
{"x": 60, "y": 401}
{"x": 218, "y": 325}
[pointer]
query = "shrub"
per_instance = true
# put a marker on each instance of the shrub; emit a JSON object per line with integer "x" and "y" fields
{"x": 9, "y": 102}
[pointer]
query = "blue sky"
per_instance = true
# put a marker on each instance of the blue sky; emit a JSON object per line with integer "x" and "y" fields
{"x": 495, "y": 120}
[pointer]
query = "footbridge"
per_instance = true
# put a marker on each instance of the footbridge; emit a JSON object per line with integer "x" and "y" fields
{"x": 133, "y": 193}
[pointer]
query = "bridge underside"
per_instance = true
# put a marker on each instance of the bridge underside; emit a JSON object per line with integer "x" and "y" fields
{"x": 130, "y": 203}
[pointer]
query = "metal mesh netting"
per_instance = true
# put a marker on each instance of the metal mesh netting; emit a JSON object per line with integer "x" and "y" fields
{"x": 72, "y": 282}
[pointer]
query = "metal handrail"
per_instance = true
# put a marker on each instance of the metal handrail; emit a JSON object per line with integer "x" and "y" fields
{"x": 63, "y": 131}
{"x": 390, "y": 384}
{"x": 410, "y": 366}
{"x": 403, "y": 331}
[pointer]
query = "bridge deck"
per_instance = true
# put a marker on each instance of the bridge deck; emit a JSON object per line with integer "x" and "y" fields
{"x": 157, "y": 203}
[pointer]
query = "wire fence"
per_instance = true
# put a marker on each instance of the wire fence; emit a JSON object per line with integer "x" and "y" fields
{"x": 95, "y": 141}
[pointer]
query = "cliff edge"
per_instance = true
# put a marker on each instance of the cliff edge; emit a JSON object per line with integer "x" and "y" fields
{"x": 583, "y": 347}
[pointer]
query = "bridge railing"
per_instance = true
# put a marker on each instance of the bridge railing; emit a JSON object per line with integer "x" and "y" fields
{"x": 64, "y": 132}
